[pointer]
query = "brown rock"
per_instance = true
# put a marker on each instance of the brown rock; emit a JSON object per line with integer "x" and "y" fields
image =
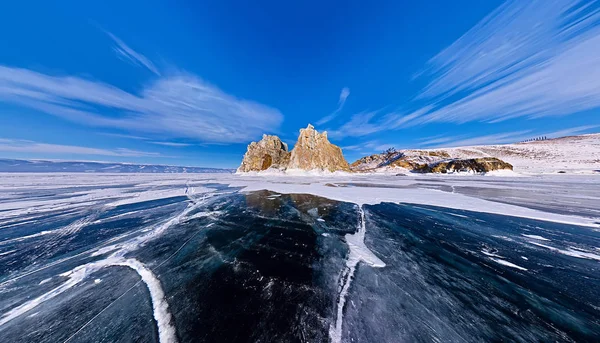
{"x": 313, "y": 151}
{"x": 477, "y": 165}
{"x": 269, "y": 152}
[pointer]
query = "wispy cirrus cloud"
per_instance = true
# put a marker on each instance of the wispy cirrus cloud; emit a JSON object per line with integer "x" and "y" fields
{"x": 369, "y": 122}
{"x": 501, "y": 138}
{"x": 528, "y": 59}
{"x": 525, "y": 59}
{"x": 27, "y": 146}
{"x": 122, "y": 135}
{"x": 572, "y": 131}
{"x": 497, "y": 138}
{"x": 176, "y": 106}
{"x": 342, "y": 100}
{"x": 126, "y": 53}
{"x": 172, "y": 144}
{"x": 145, "y": 139}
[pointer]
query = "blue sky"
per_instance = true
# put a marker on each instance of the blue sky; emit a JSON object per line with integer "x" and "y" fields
{"x": 192, "y": 83}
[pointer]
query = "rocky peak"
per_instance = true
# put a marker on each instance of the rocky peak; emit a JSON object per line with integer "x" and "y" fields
{"x": 269, "y": 152}
{"x": 314, "y": 151}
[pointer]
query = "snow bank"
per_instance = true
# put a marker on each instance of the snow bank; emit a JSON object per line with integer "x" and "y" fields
{"x": 378, "y": 194}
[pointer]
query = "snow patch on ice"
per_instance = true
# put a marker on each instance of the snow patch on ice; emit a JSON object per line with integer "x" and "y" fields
{"x": 166, "y": 330}
{"x": 44, "y": 281}
{"x": 539, "y": 238}
{"x": 571, "y": 251}
{"x": 7, "y": 252}
{"x": 295, "y": 172}
{"x": 117, "y": 258}
{"x": 149, "y": 195}
{"x": 79, "y": 274}
{"x": 508, "y": 264}
{"x": 358, "y": 252}
{"x": 422, "y": 196}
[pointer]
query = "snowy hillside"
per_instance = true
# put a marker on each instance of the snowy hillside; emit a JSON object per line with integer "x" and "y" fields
{"x": 574, "y": 154}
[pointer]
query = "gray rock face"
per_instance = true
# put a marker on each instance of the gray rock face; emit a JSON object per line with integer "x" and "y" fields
{"x": 313, "y": 151}
{"x": 269, "y": 152}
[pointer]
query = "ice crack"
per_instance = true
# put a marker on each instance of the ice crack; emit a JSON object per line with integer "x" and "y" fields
{"x": 358, "y": 252}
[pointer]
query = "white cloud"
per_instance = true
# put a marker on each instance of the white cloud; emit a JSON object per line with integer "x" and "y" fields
{"x": 438, "y": 139}
{"x": 497, "y": 138}
{"x": 177, "y": 106}
{"x": 26, "y": 146}
{"x": 366, "y": 123}
{"x": 359, "y": 125}
{"x": 572, "y": 131}
{"x": 126, "y": 53}
{"x": 528, "y": 59}
{"x": 364, "y": 146}
{"x": 342, "y": 100}
{"x": 171, "y": 144}
{"x": 121, "y": 135}
{"x": 500, "y": 138}
{"x": 344, "y": 94}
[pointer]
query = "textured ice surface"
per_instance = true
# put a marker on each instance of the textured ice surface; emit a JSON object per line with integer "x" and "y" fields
{"x": 228, "y": 258}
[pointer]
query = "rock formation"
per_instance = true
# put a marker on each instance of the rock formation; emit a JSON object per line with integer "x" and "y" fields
{"x": 475, "y": 165}
{"x": 407, "y": 159}
{"x": 269, "y": 152}
{"x": 428, "y": 161}
{"x": 313, "y": 151}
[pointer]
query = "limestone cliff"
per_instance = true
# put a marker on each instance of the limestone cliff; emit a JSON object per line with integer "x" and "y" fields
{"x": 269, "y": 152}
{"x": 313, "y": 151}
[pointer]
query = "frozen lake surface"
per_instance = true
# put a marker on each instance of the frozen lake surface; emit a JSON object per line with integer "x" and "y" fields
{"x": 362, "y": 258}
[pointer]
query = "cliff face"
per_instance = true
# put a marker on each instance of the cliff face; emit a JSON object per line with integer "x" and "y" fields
{"x": 269, "y": 152}
{"x": 313, "y": 151}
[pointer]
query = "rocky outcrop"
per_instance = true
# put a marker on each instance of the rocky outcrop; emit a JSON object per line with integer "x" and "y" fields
{"x": 313, "y": 151}
{"x": 364, "y": 162}
{"x": 407, "y": 159}
{"x": 473, "y": 165}
{"x": 428, "y": 161}
{"x": 269, "y": 152}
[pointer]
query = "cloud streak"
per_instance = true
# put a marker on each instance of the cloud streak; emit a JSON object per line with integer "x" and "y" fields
{"x": 172, "y": 144}
{"x": 526, "y": 59}
{"x": 501, "y": 138}
{"x": 497, "y": 138}
{"x": 26, "y": 146}
{"x": 529, "y": 59}
{"x": 342, "y": 100}
{"x": 176, "y": 106}
{"x": 126, "y": 53}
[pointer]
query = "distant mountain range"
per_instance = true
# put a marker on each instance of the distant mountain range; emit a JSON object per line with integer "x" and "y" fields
{"x": 41, "y": 166}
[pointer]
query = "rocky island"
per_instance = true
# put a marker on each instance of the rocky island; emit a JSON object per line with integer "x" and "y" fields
{"x": 314, "y": 152}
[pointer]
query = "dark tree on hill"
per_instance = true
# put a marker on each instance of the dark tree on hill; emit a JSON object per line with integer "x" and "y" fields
{"x": 389, "y": 151}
